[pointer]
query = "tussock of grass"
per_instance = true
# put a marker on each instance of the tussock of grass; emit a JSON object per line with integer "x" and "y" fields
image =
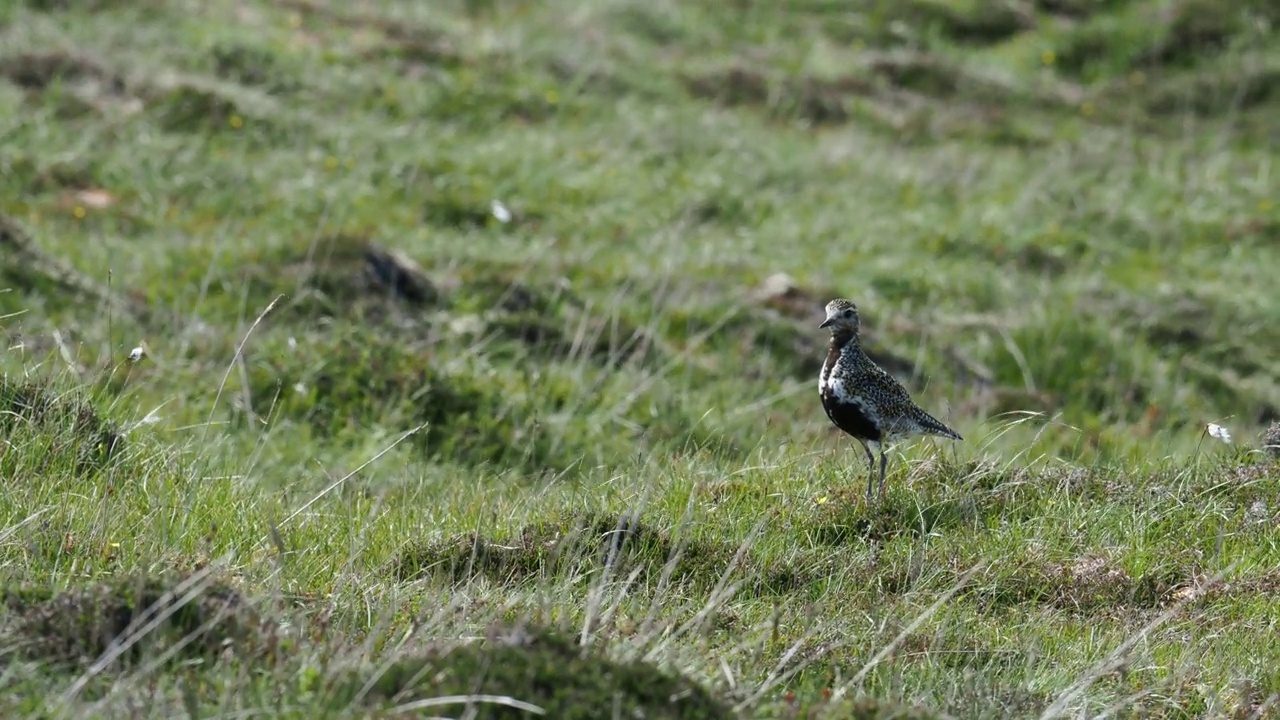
{"x": 65, "y": 429}
{"x": 538, "y": 667}
{"x": 334, "y": 383}
{"x": 139, "y": 616}
{"x": 625, "y": 547}
{"x": 1085, "y": 584}
{"x": 37, "y": 71}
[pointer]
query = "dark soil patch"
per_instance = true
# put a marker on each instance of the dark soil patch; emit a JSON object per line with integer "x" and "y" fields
{"x": 542, "y": 668}
{"x": 1074, "y": 8}
{"x": 350, "y": 276}
{"x": 75, "y": 431}
{"x": 76, "y": 626}
{"x": 37, "y": 71}
{"x": 980, "y": 23}
{"x": 619, "y": 545}
{"x": 415, "y": 44}
{"x": 253, "y": 66}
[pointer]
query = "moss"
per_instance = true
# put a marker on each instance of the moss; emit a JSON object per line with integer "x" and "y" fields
{"x": 77, "y": 625}
{"x": 542, "y": 668}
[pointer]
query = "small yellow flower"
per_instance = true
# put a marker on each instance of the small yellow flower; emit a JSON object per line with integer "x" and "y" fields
{"x": 330, "y": 163}
{"x": 1047, "y": 57}
{"x": 552, "y": 97}
{"x": 78, "y": 212}
{"x": 1265, "y": 205}
{"x": 822, "y": 500}
{"x": 236, "y": 122}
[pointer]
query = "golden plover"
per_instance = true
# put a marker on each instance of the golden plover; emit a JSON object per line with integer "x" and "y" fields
{"x": 864, "y": 400}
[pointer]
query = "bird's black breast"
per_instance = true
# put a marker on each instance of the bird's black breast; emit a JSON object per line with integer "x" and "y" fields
{"x": 848, "y": 414}
{"x": 851, "y": 417}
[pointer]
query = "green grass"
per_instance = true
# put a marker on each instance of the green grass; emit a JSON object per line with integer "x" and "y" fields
{"x": 393, "y": 446}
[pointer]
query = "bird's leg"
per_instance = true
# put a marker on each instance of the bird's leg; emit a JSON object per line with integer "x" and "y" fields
{"x": 882, "y": 449}
{"x": 871, "y": 469}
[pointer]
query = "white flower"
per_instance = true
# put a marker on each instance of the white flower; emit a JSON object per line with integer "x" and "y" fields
{"x": 500, "y": 211}
{"x": 137, "y": 354}
{"x": 1217, "y": 431}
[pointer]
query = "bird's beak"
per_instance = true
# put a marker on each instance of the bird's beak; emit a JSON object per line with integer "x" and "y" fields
{"x": 827, "y": 322}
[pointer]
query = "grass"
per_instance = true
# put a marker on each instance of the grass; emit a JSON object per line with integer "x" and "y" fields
{"x": 479, "y": 338}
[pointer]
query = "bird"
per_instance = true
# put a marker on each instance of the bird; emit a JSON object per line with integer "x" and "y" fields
{"x": 863, "y": 399}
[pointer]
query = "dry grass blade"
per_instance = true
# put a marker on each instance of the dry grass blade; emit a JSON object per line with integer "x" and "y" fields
{"x": 337, "y": 483}
{"x": 897, "y": 641}
{"x": 235, "y": 362}
{"x": 502, "y": 700}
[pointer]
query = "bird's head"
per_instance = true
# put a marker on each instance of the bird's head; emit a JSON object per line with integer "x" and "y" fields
{"x": 842, "y": 317}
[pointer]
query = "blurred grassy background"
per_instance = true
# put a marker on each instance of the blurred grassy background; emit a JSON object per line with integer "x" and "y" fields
{"x": 582, "y": 250}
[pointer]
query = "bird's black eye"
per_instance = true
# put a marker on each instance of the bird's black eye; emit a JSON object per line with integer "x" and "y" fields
{"x": 848, "y": 313}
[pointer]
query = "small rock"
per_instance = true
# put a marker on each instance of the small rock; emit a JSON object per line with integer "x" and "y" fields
{"x": 400, "y": 274}
{"x": 778, "y": 285}
{"x": 1271, "y": 440}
